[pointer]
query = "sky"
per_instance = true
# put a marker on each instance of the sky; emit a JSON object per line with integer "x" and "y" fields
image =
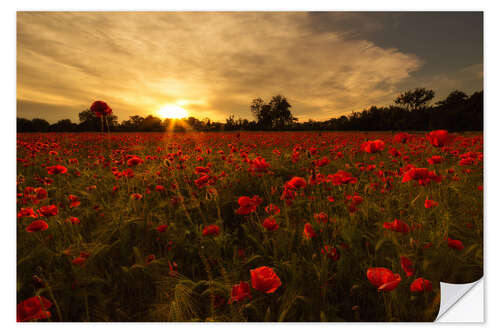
{"x": 213, "y": 64}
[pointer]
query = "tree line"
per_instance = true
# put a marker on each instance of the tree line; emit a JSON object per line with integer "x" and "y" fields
{"x": 411, "y": 111}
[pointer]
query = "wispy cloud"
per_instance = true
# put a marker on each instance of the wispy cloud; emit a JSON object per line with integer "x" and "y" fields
{"x": 216, "y": 63}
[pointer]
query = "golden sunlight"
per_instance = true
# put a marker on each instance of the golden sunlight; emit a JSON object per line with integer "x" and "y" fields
{"x": 172, "y": 112}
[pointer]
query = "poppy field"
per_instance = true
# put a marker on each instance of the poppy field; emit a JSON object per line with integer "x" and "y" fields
{"x": 245, "y": 226}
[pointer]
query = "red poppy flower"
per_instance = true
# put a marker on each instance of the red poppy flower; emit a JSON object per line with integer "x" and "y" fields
{"x": 420, "y": 285}
{"x": 211, "y": 230}
{"x": 455, "y": 244}
{"x": 321, "y": 217}
{"x": 383, "y": 278}
{"x": 150, "y": 258}
{"x": 240, "y": 292}
{"x": 430, "y": 203}
{"x": 422, "y": 175}
{"x": 270, "y": 224}
{"x": 74, "y": 220}
{"x": 372, "y": 146}
{"x": 341, "y": 177}
{"x": 200, "y": 169}
{"x": 136, "y": 196}
{"x": 259, "y": 165}
{"x": 48, "y": 210}
{"x": 80, "y": 261}
{"x": 407, "y": 266}
{"x": 401, "y": 137}
{"x": 331, "y": 252}
{"x": 27, "y": 212}
{"x": 435, "y": 159}
{"x": 73, "y": 201}
{"x": 309, "y": 231}
{"x": 162, "y": 228}
{"x": 38, "y": 225}
{"x": 202, "y": 181}
{"x": 33, "y": 308}
{"x": 322, "y": 162}
{"x": 439, "y": 138}
{"x": 248, "y": 205}
{"x": 41, "y": 193}
{"x": 296, "y": 182}
{"x": 265, "y": 279}
{"x": 354, "y": 199}
{"x": 133, "y": 161}
{"x": 129, "y": 173}
{"x": 466, "y": 161}
{"x": 172, "y": 266}
{"x": 57, "y": 169}
{"x": 100, "y": 108}
{"x": 272, "y": 209}
{"x": 398, "y": 226}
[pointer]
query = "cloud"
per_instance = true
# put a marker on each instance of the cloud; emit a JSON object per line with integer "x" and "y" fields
{"x": 466, "y": 79}
{"x": 214, "y": 62}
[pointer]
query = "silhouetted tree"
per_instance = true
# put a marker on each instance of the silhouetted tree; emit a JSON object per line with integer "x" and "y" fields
{"x": 24, "y": 125}
{"x": 458, "y": 112}
{"x": 475, "y": 114}
{"x": 455, "y": 99}
{"x": 64, "y": 125}
{"x": 262, "y": 113}
{"x": 90, "y": 122}
{"x": 415, "y": 99}
{"x": 281, "y": 114}
{"x": 40, "y": 125}
{"x": 230, "y": 124}
{"x": 151, "y": 124}
{"x": 274, "y": 115}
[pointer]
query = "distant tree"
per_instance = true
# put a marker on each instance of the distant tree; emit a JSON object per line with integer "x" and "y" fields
{"x": 415, "y": 99}
{"x": 281, "y": 114}
{"x": 274, "y": 115}
{"x": 475, "y": 111}
{"x": 195, "y": 124}
{"x": 458, "y": 112}
{"x": 90, "y": 122}
{"x": 136, "y": 120}
{"x": 454, "y": 99}
{"x": 40, "y": 125}
{"x": 24, "y": 125}
{"x": 262, "y": 113}
{"x": 230, "y": 124}
{"x": 151, "y": 124}
{"x": 64, "y": 125}
{"x": 132, "y": 124}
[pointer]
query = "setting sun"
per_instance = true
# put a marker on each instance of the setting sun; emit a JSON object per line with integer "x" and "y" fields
{"x": 172, "y": 112}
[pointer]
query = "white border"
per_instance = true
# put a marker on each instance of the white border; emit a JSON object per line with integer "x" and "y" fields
{"x": 7, "y": 130}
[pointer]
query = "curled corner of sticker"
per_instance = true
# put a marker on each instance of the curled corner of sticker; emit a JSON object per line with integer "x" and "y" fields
{"x": 452, "y": 293}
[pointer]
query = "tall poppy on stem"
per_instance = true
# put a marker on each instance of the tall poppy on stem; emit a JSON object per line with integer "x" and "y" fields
{"x": 101, "y": 110}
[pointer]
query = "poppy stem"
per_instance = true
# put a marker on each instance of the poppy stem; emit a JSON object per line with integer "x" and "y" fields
{"x": 86, "y": 304}
{"x": 58, "y": 309}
